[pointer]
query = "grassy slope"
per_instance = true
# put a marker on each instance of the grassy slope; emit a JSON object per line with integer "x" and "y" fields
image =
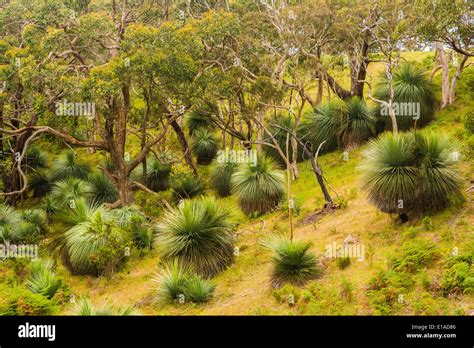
{"x": 245, "y": 287}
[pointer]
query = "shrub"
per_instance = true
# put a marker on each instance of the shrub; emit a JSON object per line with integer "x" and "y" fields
{"x": 42, "y": 279}
{"x": 204, "y": 146}
{"x": 221, "y": 176}
{"x": 259, "y": 188}
{"x": 95, "y": 245}
{"x": 132, "y": 220}
{"x": 343, "y": 262}
{"x": 292, "y": 261}
{"x": 20, "y": 301}
{"x": 459, "y": 276}
{"x": 85, "y": 308}
{"x": 404, "y": 174}
{"x": 198, "y": 234}
{"x": 187, "y": 186}
{"x": 69, "y": 166}
{"x": 101, "y": 188}
{"x": 469, "y": 122}
{"x": 410, "y": 85}
{"x": 346, "y": 290}
{"x": 413, "y": 256}
{"x": 178, "y": 280}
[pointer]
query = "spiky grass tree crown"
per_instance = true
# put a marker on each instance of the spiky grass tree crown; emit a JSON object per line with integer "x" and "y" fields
{"x": 410, "y": 85}
{"x": 69, "y": 166}
{"x": 204, "y": 145}
{"x": 259, "y": 187}
{"x": 323, "y": 125}
{"x": 359, "y": 124}
{"x": 96, "y": 245}
{"x": 158, "y": 175}
{"x": 102, "y": 188}
{"x": 294, "y": 263}
{"x": 187, "y": 186}
{"x": 403, "y": 173}
{"x": 177, "y": 281}
{"x": 221, "y": 176}
{"x": 198, "y": 234}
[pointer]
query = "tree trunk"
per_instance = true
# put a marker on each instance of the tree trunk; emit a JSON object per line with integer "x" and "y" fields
{"x": 184, "y": 143}
{"x": 444, "y": 63}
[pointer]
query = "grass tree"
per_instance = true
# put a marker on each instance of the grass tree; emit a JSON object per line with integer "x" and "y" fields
{"x": 43, "y": 279}
{"x": 158, "y": 175}
{"x": 178, "y": 283}
{"x": 406, "y": 174}
{"x": 68, "y": 165}
{"x": 187, "y": 186}
{"x": 413, "y": 97}
{"x": 96, "y": 244}
{"x": 358, "y": 125}
{"x": 259, "y": 186}
{"x": 101, "y": 188}
{"x": 221, "y": 176}
{"x": 66, "y": 191}
{"x": 323, "y": 125}
{"x": 198, "y": 234}
{"x": 293, "y": 262}
{"x": 204, "y": 145}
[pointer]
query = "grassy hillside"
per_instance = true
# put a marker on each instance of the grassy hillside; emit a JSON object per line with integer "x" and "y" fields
{"x": 368, "y": 286}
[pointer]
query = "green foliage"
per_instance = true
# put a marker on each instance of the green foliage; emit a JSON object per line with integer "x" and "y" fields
{"x": 96, "y": 245}
{"x": 293, "y": 262}
{"x": 221, "y": 175}
{"x": 469, "y": 122}
{"x": 35, "y": 158}
{"x": 459, "y": 276}
{"x": 66, "y": 191}
{"x": 157, "y": 175}
{"x": 84, "y": 307}
{"x": 346, "y": 290}
{"x": 323, "y": 125}
{"x": 358, "y": 125}
{"x": 259, "y": 188}
{"x": 101, "y": 188}
{"x": 177, "y": 282}
{"x": 286, "y": 122}
{"x": 33, "y": 225}
{"x": 69, "y": 166}
{"x": 343, "y": 262}
{"x": 414, "y": 255}
{"x": 39, "y": 184}
{"x": 198, "y": 234}
{"x": 10, "y": 219}
{"x": 204, "y": 145}
{"x": 410, "y": 85}
{"x": 403, "y": 173}
{"x": 200, "y": 117}
{"x": 42, "y": 279}
{"x": 187, "y": 186}
{"x": 20, "y": 301}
